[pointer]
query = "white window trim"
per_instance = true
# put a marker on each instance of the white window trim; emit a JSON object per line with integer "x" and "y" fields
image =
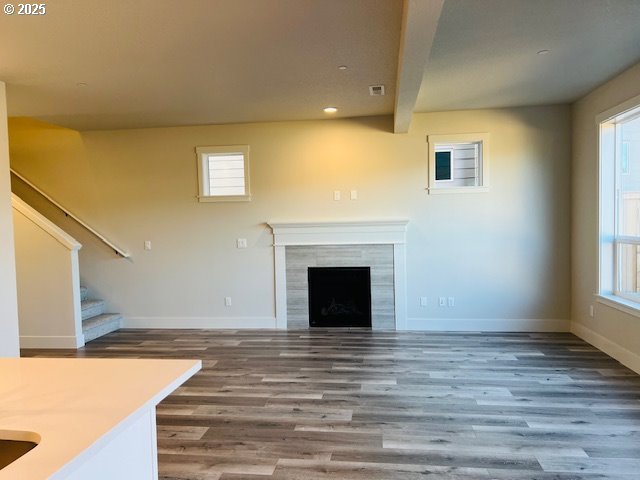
{"x": 619, "y": 303}
{"x": 608, "y": 242}
{"x": 439, "y": 186}
{"x": 203, "y": 170}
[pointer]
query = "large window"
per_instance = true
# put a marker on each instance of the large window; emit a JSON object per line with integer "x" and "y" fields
{"x": 223, "y": 173}
{"x": 620, "y": 204}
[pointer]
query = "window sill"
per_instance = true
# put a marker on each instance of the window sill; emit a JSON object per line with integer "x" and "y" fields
{"x": 440, "y": 190}
{"x": 206, "y": 198}
{"x": 619, "y": 303}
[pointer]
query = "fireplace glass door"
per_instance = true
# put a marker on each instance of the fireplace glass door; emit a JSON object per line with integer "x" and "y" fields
{"x": 339, "y": 296}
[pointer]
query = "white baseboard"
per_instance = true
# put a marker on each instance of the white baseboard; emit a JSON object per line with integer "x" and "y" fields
{"x": 199, "y": 322}
{"x": 624, "y": 356}
{"x": 27, "y": 341}
{"x": 488, "y": 325}
{"x": 424, "y": 324}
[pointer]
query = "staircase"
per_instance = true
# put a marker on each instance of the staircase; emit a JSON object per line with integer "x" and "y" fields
{"x": 95, "y": 322}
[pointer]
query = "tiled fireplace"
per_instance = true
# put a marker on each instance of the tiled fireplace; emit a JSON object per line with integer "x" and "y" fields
{"x": 379, "y": 245}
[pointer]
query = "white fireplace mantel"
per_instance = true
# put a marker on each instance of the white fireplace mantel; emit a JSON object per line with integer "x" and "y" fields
{"x": 339, "y": 233}
{"x": 356, "y": 232}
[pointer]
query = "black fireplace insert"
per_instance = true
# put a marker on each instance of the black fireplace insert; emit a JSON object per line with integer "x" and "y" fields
{"x": 339, "y": 296}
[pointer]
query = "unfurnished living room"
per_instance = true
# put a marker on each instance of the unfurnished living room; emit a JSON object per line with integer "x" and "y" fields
{"x": 320, "y": 239}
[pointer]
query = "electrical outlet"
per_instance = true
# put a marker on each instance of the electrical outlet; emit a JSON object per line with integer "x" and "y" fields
{"x": 242, "y": 243}
{"x": 442, "y": 301}
{"x": 227, "y": 301}
{"x": 354, "y": 194}
{"x": 423, "y": 301}
{"x": 336, "y": 195}
{"x": 147, "y": 244}
{"x": 451, "y": 301}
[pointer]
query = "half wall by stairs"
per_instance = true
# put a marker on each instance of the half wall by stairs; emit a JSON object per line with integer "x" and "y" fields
{"x": 53, "y": 311}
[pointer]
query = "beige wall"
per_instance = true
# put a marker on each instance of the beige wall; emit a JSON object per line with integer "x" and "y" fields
{"x": 503, "y": 255}
{"x": 8, "y": 297}
{"x": 616, "y": 332}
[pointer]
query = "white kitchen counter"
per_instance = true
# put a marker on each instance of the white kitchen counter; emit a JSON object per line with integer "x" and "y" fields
{"x": 93, "y": 416}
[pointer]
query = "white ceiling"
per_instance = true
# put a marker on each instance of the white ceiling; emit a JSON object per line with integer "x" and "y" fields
{"x": 165, "y": 62}
{"x": 485, "y": 51}
{"x": 178, "y": 62}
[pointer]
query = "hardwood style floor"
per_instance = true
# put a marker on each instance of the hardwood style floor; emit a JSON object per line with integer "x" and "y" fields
{"x": 356, "y": 405}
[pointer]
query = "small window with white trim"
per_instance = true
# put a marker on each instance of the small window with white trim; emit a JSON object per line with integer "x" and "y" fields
{"x": 458, "y": 163}
{"x": 223, "y": 173}
{"x": 620, "y": 205}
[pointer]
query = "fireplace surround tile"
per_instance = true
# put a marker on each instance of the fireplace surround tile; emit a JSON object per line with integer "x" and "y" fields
{"x": 378, "y": 257}
{"x": 378, "y": 244}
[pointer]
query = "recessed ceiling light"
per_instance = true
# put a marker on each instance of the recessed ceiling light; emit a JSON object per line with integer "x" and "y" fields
{"x": 543, "y": 52}
{"x": 330, "y": 110}
{"x": 342, "y": 67}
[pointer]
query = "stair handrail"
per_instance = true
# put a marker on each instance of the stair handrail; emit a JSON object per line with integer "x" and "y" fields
{"x": 119, "y": 251}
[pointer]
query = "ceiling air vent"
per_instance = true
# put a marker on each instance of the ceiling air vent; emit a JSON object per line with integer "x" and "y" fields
{"x": 376, "y": 90}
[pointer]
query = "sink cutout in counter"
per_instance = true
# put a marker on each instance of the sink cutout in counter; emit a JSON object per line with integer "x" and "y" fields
{"x": 14, "y": 444}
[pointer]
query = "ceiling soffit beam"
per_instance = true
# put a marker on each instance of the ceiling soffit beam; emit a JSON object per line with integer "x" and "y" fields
{"x": 419, "y": 24}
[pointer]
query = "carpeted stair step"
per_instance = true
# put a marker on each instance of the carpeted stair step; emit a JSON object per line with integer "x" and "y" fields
{"x": 95, "y": 322}
{"x": 99, "y": 325}
{"x": 92, "y": 308}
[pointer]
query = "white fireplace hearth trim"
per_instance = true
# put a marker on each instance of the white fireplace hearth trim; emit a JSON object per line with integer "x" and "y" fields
{"x": 357, "y": 232}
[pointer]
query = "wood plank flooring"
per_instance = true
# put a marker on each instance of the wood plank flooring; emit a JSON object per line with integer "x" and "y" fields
{"x": 360, "y": 404}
